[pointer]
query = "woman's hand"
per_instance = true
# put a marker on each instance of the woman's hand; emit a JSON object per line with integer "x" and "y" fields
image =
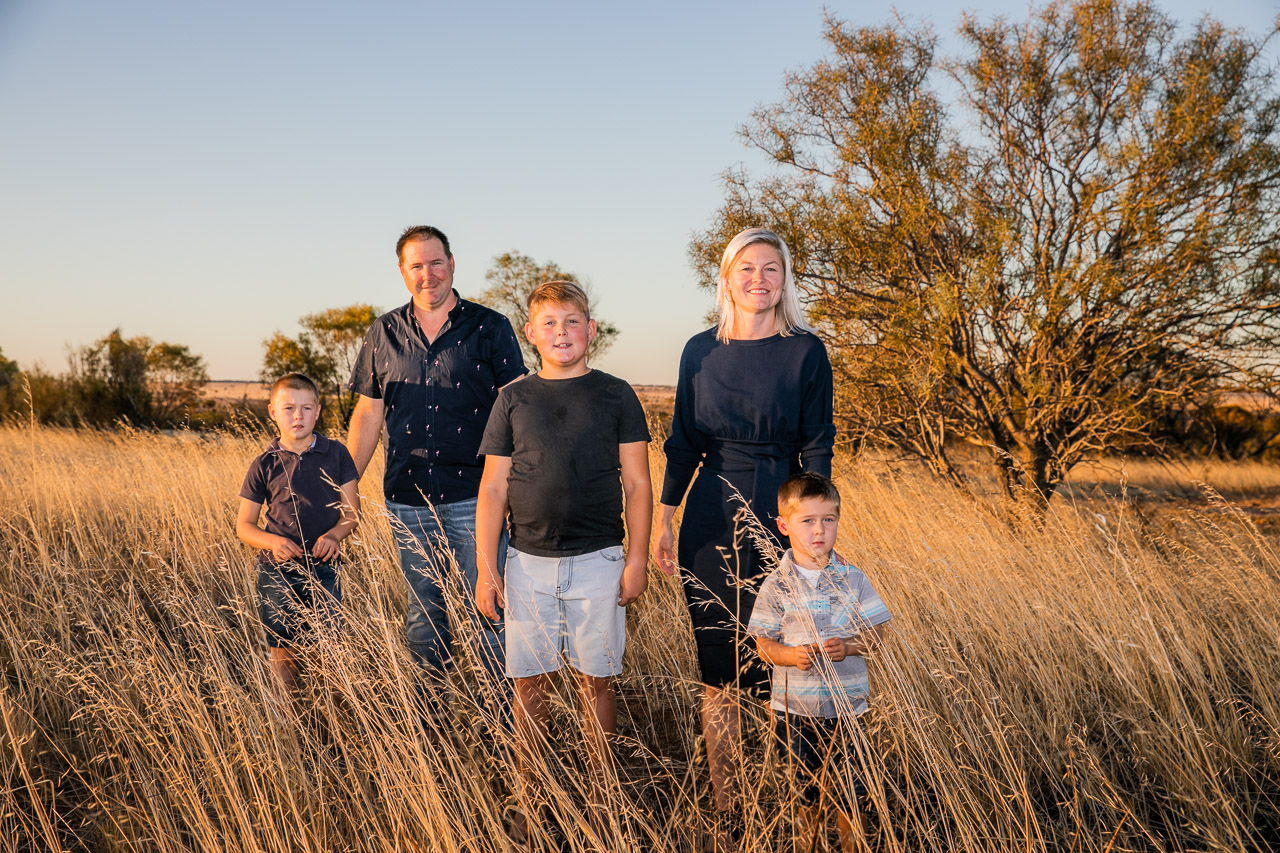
{"x": 664, "y": 550}
{"x": 664, "y": 546}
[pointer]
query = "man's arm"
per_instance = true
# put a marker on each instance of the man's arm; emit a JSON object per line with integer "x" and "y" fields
{"x": 364, "y": 432}
{"x": 637, "y": 491}
{"x": 250, "y": 533}
{"x": 491, "y": 514}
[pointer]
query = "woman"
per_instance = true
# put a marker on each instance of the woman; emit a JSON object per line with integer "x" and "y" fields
{"x": 753, "y": 407}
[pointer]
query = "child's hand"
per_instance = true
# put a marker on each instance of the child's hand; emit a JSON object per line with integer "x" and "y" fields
{"x": 635, "y": 580}
{"x": 836, "y": 648}
{"x": 285, "y": 549}
{"x": 804, "y": 657}
{"x": 489, "y": 598}
{"x": 326, "y": 548}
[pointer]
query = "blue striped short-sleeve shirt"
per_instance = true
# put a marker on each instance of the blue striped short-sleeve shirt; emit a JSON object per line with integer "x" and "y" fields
{"x": 795, "y": 612}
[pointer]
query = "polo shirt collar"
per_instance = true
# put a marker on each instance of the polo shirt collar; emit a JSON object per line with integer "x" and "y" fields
{"x": 319, "y": 444}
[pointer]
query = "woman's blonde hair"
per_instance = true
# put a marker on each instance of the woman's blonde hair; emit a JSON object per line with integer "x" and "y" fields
{"x": 787, "y": 313}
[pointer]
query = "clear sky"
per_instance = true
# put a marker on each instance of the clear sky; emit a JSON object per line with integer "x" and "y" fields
{"x": 206, "y": 173}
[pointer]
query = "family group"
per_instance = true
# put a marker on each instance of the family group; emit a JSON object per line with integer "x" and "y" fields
{"x": 533, "y": 491}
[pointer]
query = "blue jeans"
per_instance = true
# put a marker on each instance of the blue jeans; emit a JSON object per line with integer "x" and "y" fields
{"x": 435, "y": 542}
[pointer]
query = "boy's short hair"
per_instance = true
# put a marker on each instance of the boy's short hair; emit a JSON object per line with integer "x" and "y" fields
{"x": 421, "y": 232}
{"x": 806, "y": 485}
{"x": 559, "y": 293}
{"x": 295, "y": 382}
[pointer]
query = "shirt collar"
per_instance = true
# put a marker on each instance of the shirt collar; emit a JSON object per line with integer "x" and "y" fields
{"x": 459, "y": 305}
{"x": 318, "y": 443}
{"x": 788, "y": 562}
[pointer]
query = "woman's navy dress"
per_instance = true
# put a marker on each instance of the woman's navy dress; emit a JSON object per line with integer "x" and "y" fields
{"x": 751, "y": 413}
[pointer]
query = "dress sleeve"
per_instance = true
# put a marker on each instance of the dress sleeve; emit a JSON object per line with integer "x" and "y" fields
{"x": 686, "y": 445}
{"x": 817, "y": 426}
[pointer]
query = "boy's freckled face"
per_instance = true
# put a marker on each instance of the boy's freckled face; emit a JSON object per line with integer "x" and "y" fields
{"x": 294, "y": 413}
{"x": 811, "y": 524}
{"x": 561, "y": 333}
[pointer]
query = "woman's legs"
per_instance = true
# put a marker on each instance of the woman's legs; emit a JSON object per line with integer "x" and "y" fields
{"x": 722, "y": 728}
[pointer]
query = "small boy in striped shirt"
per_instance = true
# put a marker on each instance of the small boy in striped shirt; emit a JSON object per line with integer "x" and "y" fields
{"x": 813, "y": 621}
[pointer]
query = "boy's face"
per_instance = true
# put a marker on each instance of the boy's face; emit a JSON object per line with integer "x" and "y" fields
{"x": 294, "y": 412}
{"x": 561, "y": 333}
{"x": 811, "y": 525}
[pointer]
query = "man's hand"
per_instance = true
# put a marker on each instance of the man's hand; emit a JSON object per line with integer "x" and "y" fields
{"x": 285, "y": 549}
{"x": 326, "y": 548}
{"x": 635, "y": 580}
{"x": 489, "y": 598}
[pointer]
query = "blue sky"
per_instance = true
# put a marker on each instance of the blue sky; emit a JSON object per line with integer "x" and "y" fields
{"x": 207, "y": 173}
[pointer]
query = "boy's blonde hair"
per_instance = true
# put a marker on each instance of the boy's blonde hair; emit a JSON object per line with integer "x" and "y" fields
{"x": 787, "y": 313}
{"x": 559, "y": 293}
{"x": 802, "y": 487}
{"x": 295, "y": 382}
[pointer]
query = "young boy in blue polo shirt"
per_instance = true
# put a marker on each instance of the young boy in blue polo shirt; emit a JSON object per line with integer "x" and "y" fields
{"x": 308, "y": 484}
{"x": 814, "y": 620}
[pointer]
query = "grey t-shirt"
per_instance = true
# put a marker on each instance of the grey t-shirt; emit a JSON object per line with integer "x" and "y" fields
{"x": 562, "y": 436}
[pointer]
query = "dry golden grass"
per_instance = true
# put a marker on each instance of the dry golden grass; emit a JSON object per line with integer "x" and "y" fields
{"x": 1105, "y": 682}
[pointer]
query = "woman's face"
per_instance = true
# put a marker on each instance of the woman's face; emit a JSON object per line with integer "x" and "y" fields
{"x": 755, "y": 280}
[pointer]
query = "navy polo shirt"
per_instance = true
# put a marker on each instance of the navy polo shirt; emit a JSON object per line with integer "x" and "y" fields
{"x": 437, "y": 396}
{"x": 302, "y": 491}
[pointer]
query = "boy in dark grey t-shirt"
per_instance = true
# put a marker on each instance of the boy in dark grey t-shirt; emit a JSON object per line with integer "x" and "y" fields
{"x": 562, "y": 449}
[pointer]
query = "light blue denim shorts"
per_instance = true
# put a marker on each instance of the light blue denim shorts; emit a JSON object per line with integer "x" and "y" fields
{"x": 565, "y": 610}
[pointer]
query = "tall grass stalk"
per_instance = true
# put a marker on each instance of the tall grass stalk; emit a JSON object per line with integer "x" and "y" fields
{"x": 1105, "y": 681}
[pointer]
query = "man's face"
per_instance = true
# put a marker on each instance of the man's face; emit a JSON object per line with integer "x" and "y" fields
{"x": 427, "y": 272}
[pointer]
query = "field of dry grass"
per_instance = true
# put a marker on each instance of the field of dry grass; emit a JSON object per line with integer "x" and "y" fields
{"x": 1105, "y": 682}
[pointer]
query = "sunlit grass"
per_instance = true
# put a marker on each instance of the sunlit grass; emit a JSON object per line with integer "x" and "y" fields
{"x": 1107, "y": 681}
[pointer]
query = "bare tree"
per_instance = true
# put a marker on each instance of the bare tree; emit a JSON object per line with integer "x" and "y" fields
{"x": 1089, "y": 234}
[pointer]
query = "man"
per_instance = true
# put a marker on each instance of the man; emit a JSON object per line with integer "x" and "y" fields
{"x": 430, "y": 371}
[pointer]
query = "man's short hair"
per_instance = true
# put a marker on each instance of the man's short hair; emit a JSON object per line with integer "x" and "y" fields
{"x": 295, "y": 382}
{"x": 422, "y": 232}
{"x": 559, "y": 293}
{"x": 803, "y": 486}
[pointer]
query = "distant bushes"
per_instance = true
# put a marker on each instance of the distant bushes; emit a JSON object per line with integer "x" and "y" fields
{"x": 1241, "y": 428}
{"x": 115, "y": 380}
